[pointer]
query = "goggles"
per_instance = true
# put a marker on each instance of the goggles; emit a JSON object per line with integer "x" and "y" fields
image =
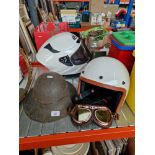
{"x": 101, "y": 115}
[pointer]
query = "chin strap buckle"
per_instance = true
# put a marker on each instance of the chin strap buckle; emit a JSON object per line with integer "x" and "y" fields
{"x": 116, "y": 116}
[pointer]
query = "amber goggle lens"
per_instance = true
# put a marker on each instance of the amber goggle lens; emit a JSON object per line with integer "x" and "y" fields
{"x": 103, "y": 115}
{"x": 82, "y": 115}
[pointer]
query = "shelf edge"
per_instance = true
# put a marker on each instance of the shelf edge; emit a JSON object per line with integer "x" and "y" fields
{"x": 75, "y": 137}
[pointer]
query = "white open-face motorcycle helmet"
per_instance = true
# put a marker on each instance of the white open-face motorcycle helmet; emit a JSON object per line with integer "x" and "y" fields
{"x": 64, "y": 53}
{"x": 104, "y": 81}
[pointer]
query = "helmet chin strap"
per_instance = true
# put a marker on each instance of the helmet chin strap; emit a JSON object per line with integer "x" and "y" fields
{"x": 84, "y": 94}
{"x": 87, "y": 93}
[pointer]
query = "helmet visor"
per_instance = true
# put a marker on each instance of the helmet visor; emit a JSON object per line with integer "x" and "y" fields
{"x": 81, "y": 56}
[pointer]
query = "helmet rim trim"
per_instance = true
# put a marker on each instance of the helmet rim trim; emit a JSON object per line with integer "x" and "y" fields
{"x": 104, "y": 86}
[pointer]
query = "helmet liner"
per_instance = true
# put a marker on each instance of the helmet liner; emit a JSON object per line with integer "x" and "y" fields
{"x": 101, "y": 96}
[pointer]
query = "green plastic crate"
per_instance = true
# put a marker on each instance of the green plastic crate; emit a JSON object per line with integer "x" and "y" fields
{"x": 126, "y": 38}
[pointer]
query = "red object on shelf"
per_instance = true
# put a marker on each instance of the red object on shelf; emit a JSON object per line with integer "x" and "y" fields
{"x": 75, "y": 137}
{"x": 22, "y": 64}
{"x": 84, "y": 28}
{"x": 120, "y": 12}
{"x": 44, "y": 31}
{"x": 36, "y": 64}
{"x": 125, "y": 56}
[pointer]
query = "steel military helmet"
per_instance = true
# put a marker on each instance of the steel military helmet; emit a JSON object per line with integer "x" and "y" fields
{"x": 49, "y": 98}
{"x": 64, "y": 53}
{"x": 104, "y": 81}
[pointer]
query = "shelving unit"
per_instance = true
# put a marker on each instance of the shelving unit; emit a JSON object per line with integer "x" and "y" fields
{"x": 84, "y": 28}
{"x": 127, "y": 17}
{"x": 107, "y": 1}
{"x": 37, "y": 135}
{"x": 70, "y": 0}
{"x": 33, "y": 134}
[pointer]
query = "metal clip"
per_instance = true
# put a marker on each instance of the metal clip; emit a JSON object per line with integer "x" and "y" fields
{"x": 115, "y": 116}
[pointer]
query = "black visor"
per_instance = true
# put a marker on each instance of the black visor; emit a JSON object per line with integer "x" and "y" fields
{"x": 81, "y": 56}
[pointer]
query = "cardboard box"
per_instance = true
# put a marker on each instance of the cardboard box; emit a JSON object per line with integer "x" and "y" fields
{"x": 69, "y": 18}
{"x": 111, "y": 9}
{"x": 96, "y": 6}
{"x": 68, "y": 15}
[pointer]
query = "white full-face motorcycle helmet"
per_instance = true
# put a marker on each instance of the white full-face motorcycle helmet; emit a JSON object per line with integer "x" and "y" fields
{"x": 64, "y": 53}
{"x": 104, "y": 81}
